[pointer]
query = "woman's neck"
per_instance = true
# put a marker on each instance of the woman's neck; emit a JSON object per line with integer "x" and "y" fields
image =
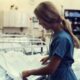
{"x": 58, "y": 29}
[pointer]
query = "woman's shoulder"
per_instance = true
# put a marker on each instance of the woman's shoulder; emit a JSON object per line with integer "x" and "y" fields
{"x": 65, "y": 36}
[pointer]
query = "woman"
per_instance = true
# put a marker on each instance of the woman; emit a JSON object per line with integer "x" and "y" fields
{"x": 61, "y": 48}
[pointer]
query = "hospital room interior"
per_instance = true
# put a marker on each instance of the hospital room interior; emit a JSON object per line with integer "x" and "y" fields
{"x": 23, "y": 42}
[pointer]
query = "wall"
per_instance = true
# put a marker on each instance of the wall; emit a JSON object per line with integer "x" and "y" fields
{"x": 29, "y": 5}
{"x": 1, "y": 19}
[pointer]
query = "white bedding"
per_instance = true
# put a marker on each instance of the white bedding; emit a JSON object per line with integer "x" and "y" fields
{"x": 15, "y": 62}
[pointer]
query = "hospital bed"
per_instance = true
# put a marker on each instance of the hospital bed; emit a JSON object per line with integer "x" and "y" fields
{"x": 13, "y": 61}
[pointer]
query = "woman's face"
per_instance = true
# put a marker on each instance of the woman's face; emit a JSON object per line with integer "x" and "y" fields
{"x": 44, "y": 24}
{"x": 48, "y": 26}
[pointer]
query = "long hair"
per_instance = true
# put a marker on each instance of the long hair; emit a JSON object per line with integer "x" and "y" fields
{"x": 49, "y": 13}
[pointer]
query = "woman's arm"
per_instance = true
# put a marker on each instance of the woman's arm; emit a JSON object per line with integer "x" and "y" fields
{"x": 48, "y": 69}
{"x": 44, "y": 60}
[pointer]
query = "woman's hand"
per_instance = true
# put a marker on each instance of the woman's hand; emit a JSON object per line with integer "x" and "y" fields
{"x": 44, "y": 60}
{"x": 25, "y": 74}
{"x": 24, "y": 79}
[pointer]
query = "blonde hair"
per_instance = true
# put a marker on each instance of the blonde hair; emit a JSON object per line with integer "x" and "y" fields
{"x": 48, "y": 12}
{"x": 67, "y": 26}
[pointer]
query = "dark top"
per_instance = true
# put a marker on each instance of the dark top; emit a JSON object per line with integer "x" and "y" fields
{"x": 63, "y": 47}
